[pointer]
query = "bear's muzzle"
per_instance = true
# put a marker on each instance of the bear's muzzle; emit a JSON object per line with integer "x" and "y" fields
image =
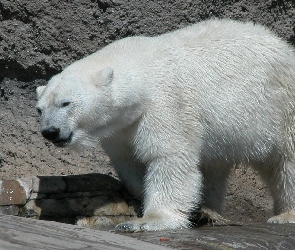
{"x": 53, "y": 134}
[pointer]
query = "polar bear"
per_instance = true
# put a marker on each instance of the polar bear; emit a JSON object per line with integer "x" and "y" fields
{"x": 175, "y": 112}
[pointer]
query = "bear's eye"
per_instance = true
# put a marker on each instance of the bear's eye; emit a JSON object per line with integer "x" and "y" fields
{"x": 39, "y": 111}
{"x": 65, "y": 104}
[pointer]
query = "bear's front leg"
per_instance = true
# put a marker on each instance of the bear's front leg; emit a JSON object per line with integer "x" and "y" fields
{"x": 172, "y": 189}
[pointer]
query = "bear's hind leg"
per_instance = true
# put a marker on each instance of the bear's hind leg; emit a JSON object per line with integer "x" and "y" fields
{"x": 281, "y": 182}
{"x": 214, "y": 189}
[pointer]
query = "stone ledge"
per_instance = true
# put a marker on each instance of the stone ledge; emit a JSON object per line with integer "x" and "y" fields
{"x": 92, "y": 200}
{"x": 26, "y": 234}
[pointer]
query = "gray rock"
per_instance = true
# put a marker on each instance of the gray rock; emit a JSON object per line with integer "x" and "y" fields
{"x": 9, "y": 210}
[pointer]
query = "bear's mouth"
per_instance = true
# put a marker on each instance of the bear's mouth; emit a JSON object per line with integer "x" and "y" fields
{"x": 63, "y": 142}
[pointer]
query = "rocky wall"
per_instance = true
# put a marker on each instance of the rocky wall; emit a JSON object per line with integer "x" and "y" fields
{"x": 39, "y": 38}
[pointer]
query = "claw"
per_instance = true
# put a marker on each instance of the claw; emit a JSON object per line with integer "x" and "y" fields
{"x": 151, "y": 224}
{"x": 213, "y": 218}
{"x": 125, "y": 227}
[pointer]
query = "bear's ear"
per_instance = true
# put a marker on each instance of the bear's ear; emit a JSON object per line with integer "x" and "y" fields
{"x": 39, "y": 91}
{"x": 104, "y": 77}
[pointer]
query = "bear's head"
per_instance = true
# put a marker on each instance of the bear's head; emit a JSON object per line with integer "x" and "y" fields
{"x": 76, "y": 110}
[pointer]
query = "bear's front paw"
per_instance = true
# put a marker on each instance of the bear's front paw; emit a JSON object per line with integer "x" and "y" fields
{"x": 288, "y": 217}
{"x": 140, "y": 225}
{"x": 130, "y": 227}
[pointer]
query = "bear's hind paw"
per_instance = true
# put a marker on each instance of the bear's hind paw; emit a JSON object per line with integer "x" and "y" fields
{"x": 212, "y": 218}
{"x": 284, "y": 218}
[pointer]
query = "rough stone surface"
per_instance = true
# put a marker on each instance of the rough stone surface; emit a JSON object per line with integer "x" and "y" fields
{"x": 18, "y": 233}
{"x": 40, "y": 38}
{"x": 27, "y": 185}
{"x": 30, "y": 209}
{"x": 262, "y": 236}
{"x": 9, "y": 210}
{"x": 27, "y": 234}
{"x": 12, "y": 193}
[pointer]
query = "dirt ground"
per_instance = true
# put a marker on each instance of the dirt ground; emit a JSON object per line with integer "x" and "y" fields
{"x": 39, "y": 38}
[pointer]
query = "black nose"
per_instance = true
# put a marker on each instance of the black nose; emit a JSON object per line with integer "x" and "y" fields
{"x": 51, "y": 133}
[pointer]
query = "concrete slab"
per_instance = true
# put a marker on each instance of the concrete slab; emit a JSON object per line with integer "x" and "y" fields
{"x": 28, "y": 234}
{"x": 260, "y": 236}
{"x": 18, "y": 233}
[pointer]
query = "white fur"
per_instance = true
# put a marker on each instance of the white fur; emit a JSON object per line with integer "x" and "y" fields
{"x": 175, "y": 112}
